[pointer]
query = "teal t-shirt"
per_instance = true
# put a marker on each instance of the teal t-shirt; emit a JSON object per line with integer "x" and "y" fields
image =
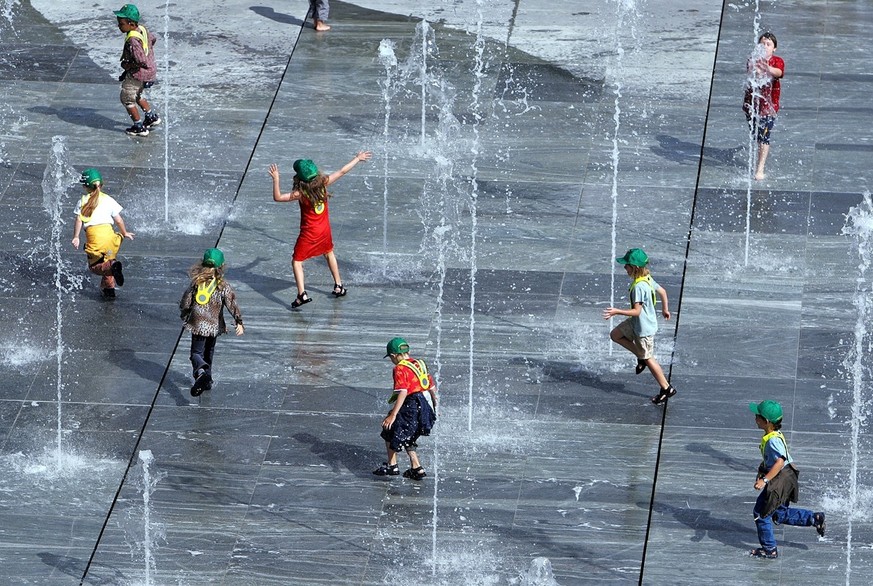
{"x": 646, "y": 324}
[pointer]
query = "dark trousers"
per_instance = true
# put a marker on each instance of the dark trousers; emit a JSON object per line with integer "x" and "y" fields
{"x": 202, "y": 349}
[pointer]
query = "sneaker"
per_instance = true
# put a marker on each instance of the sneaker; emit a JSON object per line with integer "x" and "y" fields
{"x": 762, "y": 553}
{"x": 108, "y": 293}
{"x": 115, "y": 267}
{"x": 137, "y": 130}
{"x": 387, "y": 469}
{"x": 203, "y": 382}
{"x": 151, "y": 119}
{"x": 818, "y": 521}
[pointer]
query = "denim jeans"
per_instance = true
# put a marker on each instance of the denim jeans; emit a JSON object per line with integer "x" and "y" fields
{"x": 202, "y": 350}
{"x": 320, "y": 9}
{"x": 783, "y": 515}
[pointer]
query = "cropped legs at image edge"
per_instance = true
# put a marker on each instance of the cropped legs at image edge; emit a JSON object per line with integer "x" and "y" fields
{"x": 506, "y": 170}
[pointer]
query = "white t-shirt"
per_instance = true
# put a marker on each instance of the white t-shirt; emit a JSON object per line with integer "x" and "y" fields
{"x": 106, "y": 209}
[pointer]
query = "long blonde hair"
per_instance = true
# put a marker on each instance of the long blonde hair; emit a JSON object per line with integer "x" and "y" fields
{"x": 200, "y": 275}
{"x": 93, "y": 200}
{"x": 315, "y": 191}
{"x": 637, "y": 272}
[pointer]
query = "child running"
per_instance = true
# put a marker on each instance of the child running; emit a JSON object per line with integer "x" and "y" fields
{"x": 637, "y": 333}
{"x": 97, "y": 212}
{"x": 777, "y": 481}
{"x": 310, "y": 190}
{"x": 140, "y": 70}
{"x": 411, "y": 415}
{"x": 202, "y": 311}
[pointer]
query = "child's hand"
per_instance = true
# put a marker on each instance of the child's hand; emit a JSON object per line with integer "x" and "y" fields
{"x": 274, "y": 171}
{"x": 666, "y": 314}
{"x": 609, "y": 312}
{"x": 240, "y": 330}
{"x": 75, "y": 243}
{"x": 388, "y": 421}
{"x": 128, "y": 235}
{"x": 364, "y": 155}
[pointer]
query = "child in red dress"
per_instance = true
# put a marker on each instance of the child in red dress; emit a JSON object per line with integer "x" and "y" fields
{"x": 310, "y": 190}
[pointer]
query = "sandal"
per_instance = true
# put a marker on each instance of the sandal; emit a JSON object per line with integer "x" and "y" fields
{"x": 302, "y": 299}
{"x": 387, "y": 469}
{"x": 339, "y": 290}
{"x": 641, "y": 366}
{"x": 415, "y": 473}
{"x": 663, "y": 395}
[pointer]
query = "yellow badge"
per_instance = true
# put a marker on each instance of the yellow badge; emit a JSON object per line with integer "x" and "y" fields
{"x": 205, "y": 291}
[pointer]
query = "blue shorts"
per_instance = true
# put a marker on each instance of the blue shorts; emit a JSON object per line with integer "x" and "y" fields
{"x": 762, "y": 125}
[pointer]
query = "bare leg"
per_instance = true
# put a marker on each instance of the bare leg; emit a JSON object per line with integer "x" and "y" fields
{"x": 144, "y": 104}
{"x": 133, "y": 112}
{"x": 330, "y": 257}
{"x": 763, "y": 151}
{"x": 392, "y": 455}
{"x": 658, "y": 373}
{"x": 297, "y": 269}
{"x": 615, "y": 336}
{"x": 413, "y": 459}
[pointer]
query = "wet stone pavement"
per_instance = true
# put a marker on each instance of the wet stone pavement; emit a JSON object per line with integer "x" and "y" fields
{"x": 552, "y": 138}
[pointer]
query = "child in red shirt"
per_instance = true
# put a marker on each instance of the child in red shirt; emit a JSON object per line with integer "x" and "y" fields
{"x": 310, "y": 190}
{"x": 412, "y": 414}
{"x": 761, "y": 101}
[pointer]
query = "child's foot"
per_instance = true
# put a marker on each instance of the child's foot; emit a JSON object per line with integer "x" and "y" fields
{"x": 302, "y": 299}
{"x": 202, "y": 382}
{"x": 663, "y": 395}
{"x": 762, "y": 553}
{"x": 108, "y": 293}
{"x": 641, "y": 366}
{"x": 137, "y": 130}
{"x": 115, "y": 267}
{"x": 818, "y": 521}
{"x": 387, "y": 469}
{"x": 339, "y": 290}
{"x": 415, "y": 473}
{"x": 151, "y": 119}
{"x": 759, "y": 176}
{"x": 321, "y": 26}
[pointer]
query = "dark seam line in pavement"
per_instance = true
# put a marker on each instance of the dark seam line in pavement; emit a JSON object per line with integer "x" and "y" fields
{"x": 182, "y": 331}
{"x": 681, "y": 294}
{"x": 130, "y": 461}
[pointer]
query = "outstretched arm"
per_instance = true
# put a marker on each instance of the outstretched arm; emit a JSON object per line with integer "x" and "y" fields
{"x": 633, "y": 312}
{"x": 361, "y": 156}
{"x": 277, "y": 194}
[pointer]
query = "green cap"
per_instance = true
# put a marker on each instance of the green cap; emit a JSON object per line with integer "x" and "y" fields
{"x": 769, "y": 410}
{"x": 213, "y": 258}
{"x": 90, "y": 177}
{"x": 634, "y": 257}
{"x": 305, "y": 169}
{"x": 397, "y": 346}
{"x": 128, "y": 11}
